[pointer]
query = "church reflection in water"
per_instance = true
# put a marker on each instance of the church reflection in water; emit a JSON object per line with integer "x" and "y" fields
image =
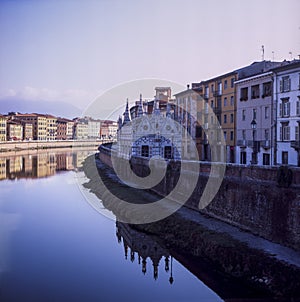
{"x": 147, "y": 251}
{"x": 40, "y": 164}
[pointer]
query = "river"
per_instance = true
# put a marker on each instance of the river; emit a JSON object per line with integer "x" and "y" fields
{"x": 55, "y": 247}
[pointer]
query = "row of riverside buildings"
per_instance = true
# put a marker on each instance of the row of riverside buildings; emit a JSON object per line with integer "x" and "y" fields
{"x": 45, "y": 127}
{"x": 257, "y": 108}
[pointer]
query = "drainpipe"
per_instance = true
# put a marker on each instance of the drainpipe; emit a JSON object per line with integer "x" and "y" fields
{"x": 274, "y": 120}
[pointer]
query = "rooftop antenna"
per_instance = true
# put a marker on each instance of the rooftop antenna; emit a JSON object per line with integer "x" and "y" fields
{"x": 263, "y": 52}
{"x": 273, "y": 58}
{"x": 291, "y": 55}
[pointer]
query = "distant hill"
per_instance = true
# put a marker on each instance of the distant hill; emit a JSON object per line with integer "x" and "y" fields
{"x": 55, "y": 108}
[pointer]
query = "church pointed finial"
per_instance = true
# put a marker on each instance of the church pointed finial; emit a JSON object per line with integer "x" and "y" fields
{"x": 168, "y": 114}
{"x": 126, "y": 114}
{"x": 140, "y": 107}
{"x": 156, "y": 110}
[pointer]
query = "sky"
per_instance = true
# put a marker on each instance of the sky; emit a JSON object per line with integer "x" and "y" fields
{"x": 74, "y": 51}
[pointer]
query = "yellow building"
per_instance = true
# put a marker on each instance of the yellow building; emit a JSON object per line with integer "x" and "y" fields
{"x": 2, "y": 128}
{"x": 51, "y": 127}
{"x": 39, "y": 123}
{"x": 218, "y": 112}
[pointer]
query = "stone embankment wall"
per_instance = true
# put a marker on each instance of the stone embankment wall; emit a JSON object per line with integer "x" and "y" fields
{"x": 33, "y": 145}
{"x": 262, "y": 200}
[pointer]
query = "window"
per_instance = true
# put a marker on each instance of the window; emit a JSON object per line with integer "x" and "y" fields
{"x": 225, "y": 84}
{"x": 231, "y": 135}
{"x": 267, "y": 89}
{"x": 225, "y": 135}
{"x": 206, "y": 92}
{"x": 244, "y": 115}
{"x": 297, "y": 133}
{"x": 298, "y": 106}
{"x": 284, "y": 108}
{"x": 168, "y": 152}
{"x": 231, "y": 101}
{"x": 198, "y": 131}
{"x": 220, "y": 88}
{"x": 212, "y": 104}
{"x": 285, "y": 84}
{"x": 266, "y": 134}
{"x": 145, "y": 151}
{"x": 254, "y": 114}
{"x": 266, "y": 159}
{"x": 231, "y": 118}
{"x": 243, "y": 158}
{"x": 255, "y": 92}
{"x": 225, "y": 118}
{"x": 285, "y": 132}
{"x": 212, "y": 88}
{"x": 232, "y": 82}
{"x": 225, "y": 102}
{"x": 244, "y": 134}
{"x": 266, "y": 112}
{"x": 244, "y": 94}
{"x": 285, "y": 157}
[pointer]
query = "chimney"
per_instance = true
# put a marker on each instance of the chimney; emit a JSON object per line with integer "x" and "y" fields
{"x": 188, "y": 86}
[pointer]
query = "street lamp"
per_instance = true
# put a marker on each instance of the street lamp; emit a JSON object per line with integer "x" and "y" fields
{"x": 254, "y": 154}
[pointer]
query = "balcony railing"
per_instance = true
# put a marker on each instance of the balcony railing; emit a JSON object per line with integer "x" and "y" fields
{"x": 266, "y": 144}
{"x": 217, "y": 93}
{"x": 295, "y": 144}
{"x": 242, "y": 143}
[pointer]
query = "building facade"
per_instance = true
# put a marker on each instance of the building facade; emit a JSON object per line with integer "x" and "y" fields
{"x": 14, "y": 130}
{"x": 287, "y": 103}
{"x": 255, "y": 120}
{"x": 2, "y": 128}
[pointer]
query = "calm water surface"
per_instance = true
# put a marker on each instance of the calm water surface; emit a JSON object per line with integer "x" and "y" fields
{"x": 55, "y": 247}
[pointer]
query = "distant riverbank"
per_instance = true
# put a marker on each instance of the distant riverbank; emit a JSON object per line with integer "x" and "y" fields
{"x": 35, "y": 145}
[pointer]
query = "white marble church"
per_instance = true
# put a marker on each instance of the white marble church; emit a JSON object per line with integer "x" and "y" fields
{"x": 147, "y": 135}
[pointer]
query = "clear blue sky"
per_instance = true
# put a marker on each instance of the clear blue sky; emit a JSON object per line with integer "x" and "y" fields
{"x": 74, "y": 50}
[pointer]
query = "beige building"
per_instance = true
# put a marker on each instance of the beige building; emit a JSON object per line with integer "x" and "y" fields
{"x": 2, "y": 128}
{"x": 2, "y": 168}
{"x": 80, "y": 130}
{"x": 186, "y": 113}
{"x": 14, "y": 131}
{"x": 27, "y": 131}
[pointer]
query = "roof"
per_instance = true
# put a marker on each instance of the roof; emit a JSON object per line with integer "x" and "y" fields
{"x": 289, "y": 65}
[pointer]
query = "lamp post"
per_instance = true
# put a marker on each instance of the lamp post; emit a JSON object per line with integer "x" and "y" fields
{"x": 254, "y": 154}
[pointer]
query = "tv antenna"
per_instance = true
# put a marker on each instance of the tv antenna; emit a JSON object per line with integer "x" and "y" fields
{"x": 291, "y": 55}
{"x": 263, "y": 52}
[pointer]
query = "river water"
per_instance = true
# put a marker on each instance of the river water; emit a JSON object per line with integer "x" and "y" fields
{"x": 55, "y": 247}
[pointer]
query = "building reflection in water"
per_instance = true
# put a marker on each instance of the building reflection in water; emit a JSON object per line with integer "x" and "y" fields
{"x": 145, "y": 249}
{"x": 39, "y": 165}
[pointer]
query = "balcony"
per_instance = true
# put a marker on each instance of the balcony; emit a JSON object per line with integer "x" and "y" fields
{"x": 242, "y": 143}
{"x": 217, "y": 93}
{"x": 295, "y": 145}
{"x": 217, "y": 110}
{"x": 266, "y": 144}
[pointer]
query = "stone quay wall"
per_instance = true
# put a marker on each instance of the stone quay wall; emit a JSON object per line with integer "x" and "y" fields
{"x": 262, "y": 200}
{"x": 34, "y": 145}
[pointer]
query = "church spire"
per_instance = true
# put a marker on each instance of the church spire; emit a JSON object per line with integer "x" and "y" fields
{"x": 140, "y": 107}
{"x": 126, "y": 114}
